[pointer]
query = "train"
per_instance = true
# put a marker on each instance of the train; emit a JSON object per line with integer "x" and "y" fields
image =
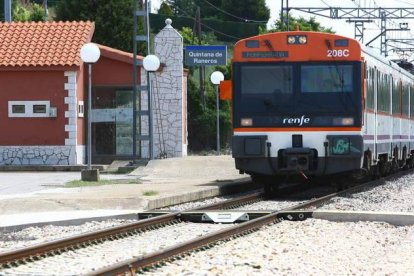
{"x": 313, "y": 104}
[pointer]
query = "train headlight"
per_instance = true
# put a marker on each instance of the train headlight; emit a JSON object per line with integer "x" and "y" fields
{"x": 246, "y": 122}
{"x": 297, "y": 39}
{"x": 343, "y": 121}
{"x": 291, "y": 39}
{"x": 303, "y": 39}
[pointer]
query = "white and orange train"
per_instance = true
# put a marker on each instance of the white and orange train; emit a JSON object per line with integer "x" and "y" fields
{"x": 318, "y": 104}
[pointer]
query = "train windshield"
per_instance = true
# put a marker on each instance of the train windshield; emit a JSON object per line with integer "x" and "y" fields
{"x": 270, "y": 92}
{"x": 326, "y": 79}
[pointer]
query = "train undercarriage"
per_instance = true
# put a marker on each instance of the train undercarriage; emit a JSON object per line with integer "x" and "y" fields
{"x": 311, "y": 170}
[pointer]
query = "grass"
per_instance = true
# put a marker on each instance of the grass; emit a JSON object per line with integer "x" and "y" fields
{"x": 150, "y": 193}
{"x": 81, "y": 183}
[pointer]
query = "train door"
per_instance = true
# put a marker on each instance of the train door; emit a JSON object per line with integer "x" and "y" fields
{"x": 375, "y": 88}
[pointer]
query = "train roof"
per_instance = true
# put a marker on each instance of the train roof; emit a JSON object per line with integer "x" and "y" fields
{"x": 371, "y": 53}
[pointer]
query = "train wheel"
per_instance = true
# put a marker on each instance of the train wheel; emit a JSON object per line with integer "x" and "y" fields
{"x": 367, "y": 165}
{"x": 270, "y": 189}
{"x": 269, "y": 183}
{"x": 410, "y": 162}
{"x": 375, "y": 172}
{"x": 394, "y": 165}
{"x": 384, "y": 166}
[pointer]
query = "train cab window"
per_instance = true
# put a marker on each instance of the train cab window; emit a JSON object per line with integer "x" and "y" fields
{"x": 273, "y": 80}
{"x": 326, "y": 78}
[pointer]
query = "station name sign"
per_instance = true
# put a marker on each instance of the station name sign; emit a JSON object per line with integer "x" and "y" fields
{"x": 205, "y": 55}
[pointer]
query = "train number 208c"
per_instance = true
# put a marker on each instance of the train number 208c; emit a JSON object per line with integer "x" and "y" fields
{"x": 338, "y": 53}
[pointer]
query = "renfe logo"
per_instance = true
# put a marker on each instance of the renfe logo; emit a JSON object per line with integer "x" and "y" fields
{"x": 300, "y": 121}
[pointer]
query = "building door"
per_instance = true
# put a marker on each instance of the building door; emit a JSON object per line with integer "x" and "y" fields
{"x": 111, "y": 124}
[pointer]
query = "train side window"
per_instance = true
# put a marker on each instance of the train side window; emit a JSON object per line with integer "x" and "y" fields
{"x": 412, "y": 101}
{"x": 370, "y": 88}
{"x": 384, "y": 92}
{"x": 405, "y": 99}
{"x": 396, "y": 96}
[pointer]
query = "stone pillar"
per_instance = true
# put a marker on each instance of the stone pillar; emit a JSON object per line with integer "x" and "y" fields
{"x": 169, "y": 95}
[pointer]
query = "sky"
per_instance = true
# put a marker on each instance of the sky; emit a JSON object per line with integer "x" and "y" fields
{"x": 341, "y": 26}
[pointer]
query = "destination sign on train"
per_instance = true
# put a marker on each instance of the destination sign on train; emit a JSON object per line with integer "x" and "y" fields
{"x": 205, "y": 55}
{"x": 273, "y": 54}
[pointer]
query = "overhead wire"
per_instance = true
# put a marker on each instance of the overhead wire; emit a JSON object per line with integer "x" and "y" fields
{"x": 326, "y": 3}
{"x": 405, "y": 2}
{"x": 208, "y": 27}
{"x": 234, "y": 16}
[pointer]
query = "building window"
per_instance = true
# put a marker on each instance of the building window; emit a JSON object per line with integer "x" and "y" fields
{"x": 39, "y": 108}
{"x": 29, "y": 109}
{"x": 18, "y": 109}
{"x": 81, "y": 109}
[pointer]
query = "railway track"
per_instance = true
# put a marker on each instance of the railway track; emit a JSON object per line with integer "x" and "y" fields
{"x": 34, "y": 253}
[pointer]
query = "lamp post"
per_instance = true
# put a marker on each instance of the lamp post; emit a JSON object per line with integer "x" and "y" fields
{"x": 90, "y": 54}
{"x": 151, "y": 63}
{"x": 216, "y": 77}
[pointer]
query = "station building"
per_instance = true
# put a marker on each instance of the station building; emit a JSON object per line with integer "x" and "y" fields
{"x": 43, "y": 97}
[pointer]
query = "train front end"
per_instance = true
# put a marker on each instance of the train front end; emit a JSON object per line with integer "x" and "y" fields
{"x": 297, "y": 104}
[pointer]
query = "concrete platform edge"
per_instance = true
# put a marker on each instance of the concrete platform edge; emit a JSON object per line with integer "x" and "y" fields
{"x": 47, "y": 168}
{"x": 394, "y": 218}
{"x": 68, "y": 222}
{"x": 242, "y": 185}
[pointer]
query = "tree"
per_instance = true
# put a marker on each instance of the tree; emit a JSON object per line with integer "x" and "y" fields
{"x": 20, "y": 13}
{"x": 26, "y": 11}
{"x": 226, "y": 10}
{"x": 113, "y": 19}
{"x": 165, "y": 9}
{"x": 38, "y": 13}
{"x": 249, "y": 10}
{"x": 182, "y": 7}
{"x": 301, "y": 23}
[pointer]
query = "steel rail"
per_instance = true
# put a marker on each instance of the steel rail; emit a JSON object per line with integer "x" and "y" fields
{"x": 243, "y": 200}
{"x": 133, "y": 265}
{"x": 45, "y": 248}
{"x": 247, "y": 199}
{"x": 74, "y": 241}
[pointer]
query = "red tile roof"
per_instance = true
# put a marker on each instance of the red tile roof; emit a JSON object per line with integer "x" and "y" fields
{"x": 43, "y": 43}
{"x": 117, "y": 54}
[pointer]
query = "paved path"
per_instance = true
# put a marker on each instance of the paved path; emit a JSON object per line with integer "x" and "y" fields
{"x": 18, "y": 183}
{"x": 38, "y": 196}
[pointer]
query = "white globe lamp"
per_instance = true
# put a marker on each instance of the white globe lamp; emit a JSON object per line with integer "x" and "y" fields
{"x": 151, "y": 63}
{"x": 90, "y": 53}
{"x": 215, "y": 79}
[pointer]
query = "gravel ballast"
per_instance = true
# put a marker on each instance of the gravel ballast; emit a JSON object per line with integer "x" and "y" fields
{"x": 394, "y": 196}
{"x": 83, "y": 261}
{"x": 33, "y": 235}
{"x": 309, "y": 247}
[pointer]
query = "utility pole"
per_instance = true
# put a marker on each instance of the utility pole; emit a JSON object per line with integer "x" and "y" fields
{"x": 281, "y": 17}
{"x": 287, "y": 14}
{"x": 139, "y": 115}
{"x": 46, "y": 9}
{"x": 197, "y": 32}
{"x": 7, "y": 10}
